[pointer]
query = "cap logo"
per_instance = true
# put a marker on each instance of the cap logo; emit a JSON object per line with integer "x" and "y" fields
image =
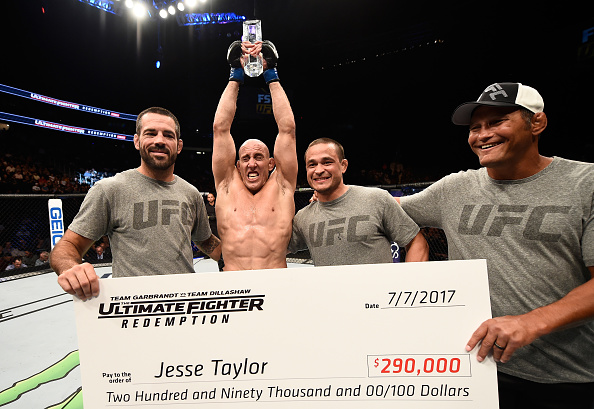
{"x": 496, "y": 90}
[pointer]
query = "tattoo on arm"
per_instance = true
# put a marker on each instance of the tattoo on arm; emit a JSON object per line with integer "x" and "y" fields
{"x": 208, "y": 245}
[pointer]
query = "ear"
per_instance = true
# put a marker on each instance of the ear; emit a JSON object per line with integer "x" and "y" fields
{"x": 136, "y": 141}
{"x": 538, "y": 123}
{"x": 344, "y": 164}
{"x": 180, "y": 145}
{"x": 271, "y": 164}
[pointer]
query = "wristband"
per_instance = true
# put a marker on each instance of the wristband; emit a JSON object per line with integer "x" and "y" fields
{"x": 270, "y": 75}
{"x": 236, "y": 74}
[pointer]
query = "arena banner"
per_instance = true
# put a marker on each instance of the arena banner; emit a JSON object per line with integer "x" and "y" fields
{"x": 370, "y": 336}
{"x": 63, "y": 128}
{"x": 65, "y": 104}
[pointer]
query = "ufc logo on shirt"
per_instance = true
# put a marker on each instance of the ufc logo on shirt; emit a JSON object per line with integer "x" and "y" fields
{"x": 149, "y": 214}
{"x": 541, "y": 223}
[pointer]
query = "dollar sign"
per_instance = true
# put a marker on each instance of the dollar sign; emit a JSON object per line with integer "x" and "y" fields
{"x": 376, "y": 362}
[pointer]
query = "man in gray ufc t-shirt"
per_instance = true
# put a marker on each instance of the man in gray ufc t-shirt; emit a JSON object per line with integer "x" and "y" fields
{"x": 532, "y": 218}
{"x": 149, "y": 214}
{"x": 356, "y": 228}
{"x": 537, "y": 235}
{"x": 350, "y": 224}
{"x": 145, "y": 219}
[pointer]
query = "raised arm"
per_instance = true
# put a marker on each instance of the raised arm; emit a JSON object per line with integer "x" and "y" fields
{"x": 74, "y": 276}
{"x": 223, "y": 149}
{"x": 285, "y": 147}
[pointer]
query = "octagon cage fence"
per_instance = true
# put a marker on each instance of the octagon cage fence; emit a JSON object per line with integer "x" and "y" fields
{"x": 25, "y": 224}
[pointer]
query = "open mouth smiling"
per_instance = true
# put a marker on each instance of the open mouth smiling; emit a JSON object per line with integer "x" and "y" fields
{"x": 159, "y": 151}
{"x": 321, "y": 179}
{"x": 489, "y": 145}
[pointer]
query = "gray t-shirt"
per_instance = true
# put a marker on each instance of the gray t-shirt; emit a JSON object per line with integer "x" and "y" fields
{"x": 356, "y": 228}
{"x": 149, "y": 223}
{"x": 537, "y": 235}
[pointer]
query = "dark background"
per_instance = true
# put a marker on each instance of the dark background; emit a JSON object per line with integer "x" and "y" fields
{"x": 382, "y": 77}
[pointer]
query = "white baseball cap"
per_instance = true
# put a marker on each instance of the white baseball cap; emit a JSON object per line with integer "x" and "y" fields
{"x": 501, "y": 94}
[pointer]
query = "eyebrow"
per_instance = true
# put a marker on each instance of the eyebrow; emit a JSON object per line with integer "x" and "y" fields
{"x": 256, "y": 155}
{"x": 324, "y": 159}
{"x": 165, "y": 132}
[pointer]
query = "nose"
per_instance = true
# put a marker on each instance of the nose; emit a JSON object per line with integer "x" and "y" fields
{"x": 318, "y": 169}
{"x": 481, "y": 133}
{"x": 159, "y": 139}
{"x": 487, "y": 130}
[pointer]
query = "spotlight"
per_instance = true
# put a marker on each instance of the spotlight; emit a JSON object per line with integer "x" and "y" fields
{"x": 139, "y": 10}
{"x": 129, "y": 4}
{"x": 190, "y": 3}
{"x": 163, "y": 13}
{"x": 180, "y": 6}
{"x": 171, "y": 10}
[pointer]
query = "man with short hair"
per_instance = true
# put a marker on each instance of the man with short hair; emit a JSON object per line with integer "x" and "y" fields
{"x": 532, "y": 218}
{"x": 149, "y": 214}
{"x": 211, "y": 212}
{"x": 43, "y": 258}
{"x": 350, "y": 224}
{"x": 255, "y": 203}
{"x": 99, "y": 251}
{"x": 17, "y": 262}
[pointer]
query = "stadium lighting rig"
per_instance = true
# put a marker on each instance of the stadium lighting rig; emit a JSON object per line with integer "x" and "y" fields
{"x": 181, "y": 10}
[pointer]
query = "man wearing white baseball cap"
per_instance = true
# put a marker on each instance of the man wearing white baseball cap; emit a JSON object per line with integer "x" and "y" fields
{"x": 532, "y": 218}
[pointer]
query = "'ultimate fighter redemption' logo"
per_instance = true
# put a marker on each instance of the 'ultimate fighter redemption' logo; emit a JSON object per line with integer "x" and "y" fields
{"x": 166, "y": 310}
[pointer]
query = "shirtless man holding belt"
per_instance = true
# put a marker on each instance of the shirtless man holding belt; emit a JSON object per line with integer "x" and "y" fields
{"x": 255, "y": 205}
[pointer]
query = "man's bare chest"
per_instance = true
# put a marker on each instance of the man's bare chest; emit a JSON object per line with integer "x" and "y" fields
{"x": 267, "y": 208}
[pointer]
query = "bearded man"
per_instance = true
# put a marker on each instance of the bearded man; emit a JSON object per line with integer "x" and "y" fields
{"x": 149, "y": 214}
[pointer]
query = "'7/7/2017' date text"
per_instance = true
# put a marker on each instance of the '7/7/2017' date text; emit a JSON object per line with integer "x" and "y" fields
{"x": 421, "y": 298}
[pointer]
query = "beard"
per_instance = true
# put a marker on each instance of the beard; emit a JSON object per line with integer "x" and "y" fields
{"x": 158, "y": 163}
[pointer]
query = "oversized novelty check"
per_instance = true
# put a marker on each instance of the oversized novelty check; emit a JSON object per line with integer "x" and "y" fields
{"x": 370, "y": 336}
